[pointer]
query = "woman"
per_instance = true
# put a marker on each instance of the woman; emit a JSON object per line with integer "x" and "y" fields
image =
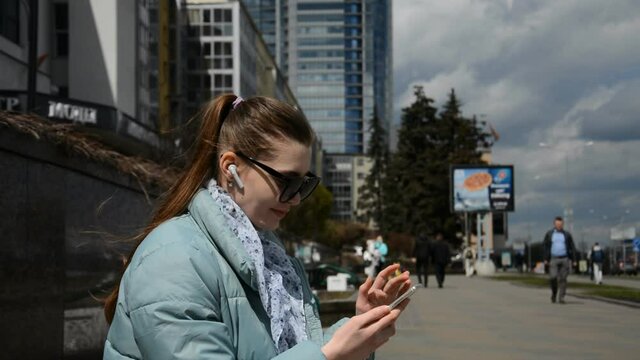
{"x": 209, "y": 279}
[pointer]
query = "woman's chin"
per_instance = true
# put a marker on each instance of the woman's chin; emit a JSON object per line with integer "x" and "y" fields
{"x": 270, "y": 225}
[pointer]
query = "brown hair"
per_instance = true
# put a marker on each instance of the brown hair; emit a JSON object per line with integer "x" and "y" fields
{"x": 251, "y": 128}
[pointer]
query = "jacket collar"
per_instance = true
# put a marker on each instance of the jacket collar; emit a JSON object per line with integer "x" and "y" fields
{"x": 211, "y": 220}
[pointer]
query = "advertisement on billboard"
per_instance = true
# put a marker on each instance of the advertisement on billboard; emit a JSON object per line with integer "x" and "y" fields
{"x": 623, "y": 233}
{"x": 477, "y": 188}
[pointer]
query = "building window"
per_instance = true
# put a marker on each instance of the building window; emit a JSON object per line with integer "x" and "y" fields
{"x": 194, "y": 16}
{"x": 222, "y": 55}
{"x": 321, "y": 6}
{"x": 321, "y": 77}
{"x": 10, "y": 20}
{"x": 222, "y": 15}
{"x": 354, "y": 79}
{"x": 63, "y": 91}
{"x": 222, "y": 84}
{"x": 332, "y": 41}
{"x": 353, "y": 125}
{"x": 321, "y": 18}
{"x": 353, "y": 43}
{"x": 222, "y": 22}
{"x": 353, "y": 31}
{"x": 354, "y": 90}
{"x": 352, "y": 20}
{"x": 321, "y": 30}
{"x": 353, "y": 8}
{"x": 353, "y": 66}
{"x": 351, "y": 102}
{"x": 61, "y": 29}
{"x": 321, "y": 53}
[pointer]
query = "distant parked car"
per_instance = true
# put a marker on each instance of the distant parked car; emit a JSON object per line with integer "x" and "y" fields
{"x": 625, "y": 269}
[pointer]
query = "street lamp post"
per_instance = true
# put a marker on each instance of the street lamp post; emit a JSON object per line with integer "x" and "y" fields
{"x": 32, "y": 72}
{"x": 568, "y": 211}
{"x": 528, "y": 247}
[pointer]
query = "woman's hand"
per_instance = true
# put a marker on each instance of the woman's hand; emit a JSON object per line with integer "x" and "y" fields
{"x": 381, "y": 291}
{"x": 363, "y": 334}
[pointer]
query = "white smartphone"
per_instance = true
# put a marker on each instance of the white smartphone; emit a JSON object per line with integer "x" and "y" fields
{"x": 400, "y": 298}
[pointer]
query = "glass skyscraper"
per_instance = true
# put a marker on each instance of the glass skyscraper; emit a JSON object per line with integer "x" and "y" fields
{"x": 270, "y": 17}
{"x": 325, "y": 68}
{"x": 379, "y": 57}
{"x": 337, "y": 57}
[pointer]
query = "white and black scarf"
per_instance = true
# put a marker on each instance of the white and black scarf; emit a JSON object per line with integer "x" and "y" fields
{"x": 279, "y": 285}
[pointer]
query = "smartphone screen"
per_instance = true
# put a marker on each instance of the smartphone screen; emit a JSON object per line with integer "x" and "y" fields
{"x": 400, "y": 298}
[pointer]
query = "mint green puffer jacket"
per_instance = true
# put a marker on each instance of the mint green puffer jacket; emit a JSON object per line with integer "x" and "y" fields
{"x": 190, "y": 293}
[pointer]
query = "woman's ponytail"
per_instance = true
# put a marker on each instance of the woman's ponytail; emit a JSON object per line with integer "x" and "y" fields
{"x": 200, "y": 168}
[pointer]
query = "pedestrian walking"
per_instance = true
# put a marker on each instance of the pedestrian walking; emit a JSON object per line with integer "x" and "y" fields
{"x": 208, "y": 277}
{"x": 382, "y": 250}
{"x": 597, "y": 259}
{"x": 519, "y": 260}
{"x": 590, "y": 263}
{"x": 559, "y": 255}
{"x": 469, "y": 259}
{"x": 421, "y": 252}
{"x": 371, "y": 258}
{"x": 441, "y": 256}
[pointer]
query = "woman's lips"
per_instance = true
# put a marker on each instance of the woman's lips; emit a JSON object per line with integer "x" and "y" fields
{"x": 279, "y": 213}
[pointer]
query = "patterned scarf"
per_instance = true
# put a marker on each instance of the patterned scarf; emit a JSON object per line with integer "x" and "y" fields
{"x": 279, "y": 285}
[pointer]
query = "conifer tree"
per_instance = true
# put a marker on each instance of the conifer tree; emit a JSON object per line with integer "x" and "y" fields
{"x": 416, "y": 188}
{"x": 406, "y": 188}
{"x": 370, "y": 199}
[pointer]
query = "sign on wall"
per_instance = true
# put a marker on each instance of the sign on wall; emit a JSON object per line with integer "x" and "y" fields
{"x": 9, "y": 103}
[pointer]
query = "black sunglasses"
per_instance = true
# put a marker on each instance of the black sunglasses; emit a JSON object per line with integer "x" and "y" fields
{"x": 291, "y": 185}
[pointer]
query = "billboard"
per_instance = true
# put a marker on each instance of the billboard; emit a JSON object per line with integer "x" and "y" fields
{"x": 623, "y": 232}
{"x": 476, "y": 188}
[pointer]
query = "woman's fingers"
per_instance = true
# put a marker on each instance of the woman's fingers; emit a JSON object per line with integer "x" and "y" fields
{"x": 405, "y": 286}
{"x": 372, "y": 316}
{"x": 386, "y": 333}
{"x": 381, "y": 279}
{"x": 366, "y": 285}
{"x": 387, "y": 320}
{"x": 362, "y": 334}
{"x": 393, "y": 286}
{"x": 390, "y": 292}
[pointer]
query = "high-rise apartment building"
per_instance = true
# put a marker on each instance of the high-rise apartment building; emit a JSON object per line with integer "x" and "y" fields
{"x": 379, "y": 57}
{"x": 226, "y": 54}
{"x": 167, "y": 45}
{"x": 338, "y": 60}
{"x": 270, "y": 16}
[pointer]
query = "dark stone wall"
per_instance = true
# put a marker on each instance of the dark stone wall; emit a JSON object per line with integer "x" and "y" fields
{"x": 63, "y": 222}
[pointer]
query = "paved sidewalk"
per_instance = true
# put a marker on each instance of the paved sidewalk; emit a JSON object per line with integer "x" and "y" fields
{"x": 486, "y": 319}
{"x": 627, "y": 281}
{"x": 609, "y": 280}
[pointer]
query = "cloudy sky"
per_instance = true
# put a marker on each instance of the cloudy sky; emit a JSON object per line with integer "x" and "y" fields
{"x": 563, "y": 73}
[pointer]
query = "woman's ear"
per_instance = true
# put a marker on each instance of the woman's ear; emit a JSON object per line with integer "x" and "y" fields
{"x": 226, "y": 159}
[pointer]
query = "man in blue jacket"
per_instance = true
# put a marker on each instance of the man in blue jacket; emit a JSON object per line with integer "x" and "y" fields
{"x": 559, "y": 255}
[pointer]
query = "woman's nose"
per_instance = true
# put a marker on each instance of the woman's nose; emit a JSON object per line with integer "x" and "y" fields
{"x": 295, "y": 200}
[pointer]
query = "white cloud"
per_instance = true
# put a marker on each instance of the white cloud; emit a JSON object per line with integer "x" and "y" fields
{"x": 599, "y": 97}
{"x": 560, "y": 72}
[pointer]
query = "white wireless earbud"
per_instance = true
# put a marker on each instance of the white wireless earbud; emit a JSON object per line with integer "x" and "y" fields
{"x": 233, "y": 169}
